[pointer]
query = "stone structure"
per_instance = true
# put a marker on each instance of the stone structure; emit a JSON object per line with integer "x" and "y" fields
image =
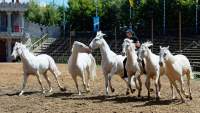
{"x": 11, "y": 26}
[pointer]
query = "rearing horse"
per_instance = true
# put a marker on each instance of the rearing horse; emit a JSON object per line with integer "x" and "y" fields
{"x": 36, "y": 65}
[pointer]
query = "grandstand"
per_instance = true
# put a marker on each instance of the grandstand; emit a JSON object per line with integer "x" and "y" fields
{"x": 60, "y": 49}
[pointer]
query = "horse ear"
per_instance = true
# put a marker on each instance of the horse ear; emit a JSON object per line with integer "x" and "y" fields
{"x": 160, "y": 47}
{"x": 167, "y": 47}
{"x": 103, "y": 34}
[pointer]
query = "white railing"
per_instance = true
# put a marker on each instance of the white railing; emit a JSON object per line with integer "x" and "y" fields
{"x": 38, "y": 42}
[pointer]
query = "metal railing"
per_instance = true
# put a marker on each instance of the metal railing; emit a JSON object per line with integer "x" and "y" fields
{"x": 187, "y": 47}
{"x": 39, "y": 42}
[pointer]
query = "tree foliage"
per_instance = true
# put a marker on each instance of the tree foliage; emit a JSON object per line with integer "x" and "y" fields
{"x": 46, "y": 15}
{"x": 114, "y": 13}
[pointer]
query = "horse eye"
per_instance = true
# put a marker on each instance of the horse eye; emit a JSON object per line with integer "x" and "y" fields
{"x": 164, "y": 55}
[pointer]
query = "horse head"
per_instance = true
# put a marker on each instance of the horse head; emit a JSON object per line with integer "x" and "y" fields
{"x": 163, "y": 55}
{"x": 80, "y": 47}
{"x": 126, "y": 44}
{"x": 97, "y": 41}
{"x": 142, "y": 52}
{"x": 17, "y": 50}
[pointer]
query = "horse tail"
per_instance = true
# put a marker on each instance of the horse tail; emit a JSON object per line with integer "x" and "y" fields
{"x": 92, "y": 67}
{"x": 191, "y": 74}
{"x": 53, "y": 67}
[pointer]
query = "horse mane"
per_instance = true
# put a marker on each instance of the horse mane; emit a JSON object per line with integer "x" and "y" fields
{"x": 171, "y": 57}
{"x": 148, "y": 44}
{"x": 128, "y": 40}
{"x": 23, "y": 47}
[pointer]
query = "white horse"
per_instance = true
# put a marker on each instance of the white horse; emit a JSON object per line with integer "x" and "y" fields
{"x": 36, "y": 65}
{"x": 81, "y": 63}
{"x": 111, "y": 62}
{"x": 152, "y": 67}
{"x": 132, "y": 66}
{"x": 176, "y": 67}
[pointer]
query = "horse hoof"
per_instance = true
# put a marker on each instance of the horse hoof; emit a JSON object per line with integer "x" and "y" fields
{"x": 133, "y": 90}
{"x": 43, "y": 92}
{"x": 151, "y": 90}
{"x": 190, "y": 98}
{"x": 63, "y": 89}
{"x": 183, "y": 101}
{"x": 127, "y": 93}
{"x": 157, "y": 98}
{"x": 87, "y": 91}
{"x": 174, "y": 97}
{"x": 148, "y": 98}
{"x": 113, "y": 90}
{"x": 21, "y": 93}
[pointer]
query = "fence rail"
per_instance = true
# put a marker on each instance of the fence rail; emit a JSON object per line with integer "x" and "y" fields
{"x": 39, "y": 42}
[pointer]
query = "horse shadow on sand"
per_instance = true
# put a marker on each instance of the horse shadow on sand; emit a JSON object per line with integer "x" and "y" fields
{"x": 17, "y": 93}
{"x": 118, "y": 99}
{"x": 60, "y": 94}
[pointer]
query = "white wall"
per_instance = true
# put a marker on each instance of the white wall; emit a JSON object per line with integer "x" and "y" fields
{"x": 34, "y": 29}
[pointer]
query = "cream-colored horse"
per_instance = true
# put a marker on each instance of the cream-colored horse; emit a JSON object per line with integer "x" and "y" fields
{"x": 152, "y": 67}
{"x": 37, "y": 65}
{"x": 176, "y": 67}
{"x": 132, "y": 65}
{"x": 81, "y": 63}
{"x": 111, "y": 63}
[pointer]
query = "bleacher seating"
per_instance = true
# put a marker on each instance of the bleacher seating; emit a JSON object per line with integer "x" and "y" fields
{"x": 60, "y": 49}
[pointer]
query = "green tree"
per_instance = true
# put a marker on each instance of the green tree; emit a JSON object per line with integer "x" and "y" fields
{"x": 32, "y": 13}
{"x": 46, "y": 15}
{"x": 52, "y": 15}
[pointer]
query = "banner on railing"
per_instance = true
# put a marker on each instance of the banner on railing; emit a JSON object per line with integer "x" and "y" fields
{"x": 95, "y": 23}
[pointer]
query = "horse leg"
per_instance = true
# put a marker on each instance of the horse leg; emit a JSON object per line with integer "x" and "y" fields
{"x": 157, "y": 86}
{"x": 39, "y": 80}
{"x": 129, "y": 83}
{"x": 137, "y": 77}
{"x": 76, "y": 83}
{"x": 182, "y": 89}
{"x": 127, "y": 88}
{"x": 172, "y": 89}
{"x": 109, "y": 79}
{"x": 140, "y": 86}
{"x": 55, "y": 76}
{"x": 48, "y": 81}
{"x": 83, "y": 80}
{"x": 188, "y": 83}
{"x": 88, "y": 79}
{"x": 175, "y": 85}
{"x": 106, "y": 83}
{"x": 25, "y": 77}
{"x": 147, "y": 84}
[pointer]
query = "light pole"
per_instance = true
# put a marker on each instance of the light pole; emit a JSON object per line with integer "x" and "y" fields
{"x": 130, "y": 12}
{"x": 96, "y": 8}
{"x": 164, "y": 18}
{"x": 196, "y": 16}
{"x": 180, "y": 38}
{"x": 64, "y": 19}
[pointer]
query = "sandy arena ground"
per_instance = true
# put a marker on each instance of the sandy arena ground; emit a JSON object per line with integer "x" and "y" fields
{"x": 94, "y": 102}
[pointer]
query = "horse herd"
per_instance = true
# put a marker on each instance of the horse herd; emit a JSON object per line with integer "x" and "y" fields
{"x": 82, "y": 63}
